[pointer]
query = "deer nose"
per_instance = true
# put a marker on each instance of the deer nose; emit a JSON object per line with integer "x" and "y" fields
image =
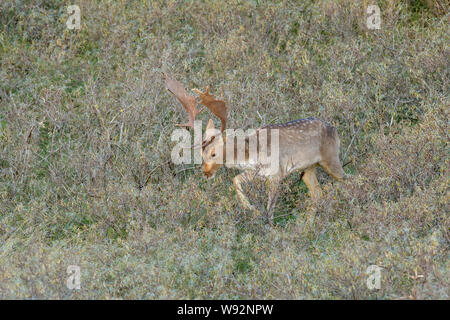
{"x": 209, "y": 175}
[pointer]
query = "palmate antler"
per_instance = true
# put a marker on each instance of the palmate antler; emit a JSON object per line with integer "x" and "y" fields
{"x": 189, "y": 102}
{"x": 218, "y": 107}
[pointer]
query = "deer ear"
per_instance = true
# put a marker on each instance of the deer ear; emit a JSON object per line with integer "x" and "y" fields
{"x": 210, "y": 132}
{"x": 210, "y": 125}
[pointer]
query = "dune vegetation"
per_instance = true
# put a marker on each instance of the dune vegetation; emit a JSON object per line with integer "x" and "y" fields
{"x": 85, "y": 171}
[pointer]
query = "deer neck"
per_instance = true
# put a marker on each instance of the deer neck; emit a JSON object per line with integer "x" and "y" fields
{"x": 238, "y": 158}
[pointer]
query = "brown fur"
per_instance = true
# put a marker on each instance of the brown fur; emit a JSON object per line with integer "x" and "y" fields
{"x": 303, "y": 145}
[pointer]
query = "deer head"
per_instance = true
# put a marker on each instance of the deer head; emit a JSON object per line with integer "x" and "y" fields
{"x": 213, "y": 143}
{"x": 213, "y": 150}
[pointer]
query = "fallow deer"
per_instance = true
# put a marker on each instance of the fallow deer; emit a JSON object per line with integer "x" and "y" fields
{"x": 302, "y": 145}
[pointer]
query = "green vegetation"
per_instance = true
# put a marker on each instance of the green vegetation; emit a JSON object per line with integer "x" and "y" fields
{"x": 86, "y": 121}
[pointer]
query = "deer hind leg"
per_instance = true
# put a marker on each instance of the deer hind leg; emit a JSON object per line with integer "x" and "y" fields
{"x": 237, "y": 181}
{"x": 333, "y": 168}
{"x": 310, "y": 179}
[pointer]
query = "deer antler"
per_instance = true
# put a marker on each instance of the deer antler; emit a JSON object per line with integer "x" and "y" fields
{"x": 189, "y": 102}
{"x": 217, "y": 107}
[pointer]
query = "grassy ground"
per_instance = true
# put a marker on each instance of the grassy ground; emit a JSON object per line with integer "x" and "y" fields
{"x": 85, "y": 119}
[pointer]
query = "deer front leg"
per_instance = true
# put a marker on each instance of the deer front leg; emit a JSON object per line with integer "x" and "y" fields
{"x": 273, "y": 193}
{"x": 237, "y": 183}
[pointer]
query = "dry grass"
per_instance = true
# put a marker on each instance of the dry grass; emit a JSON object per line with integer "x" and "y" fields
{"x": 85, "y": 119}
